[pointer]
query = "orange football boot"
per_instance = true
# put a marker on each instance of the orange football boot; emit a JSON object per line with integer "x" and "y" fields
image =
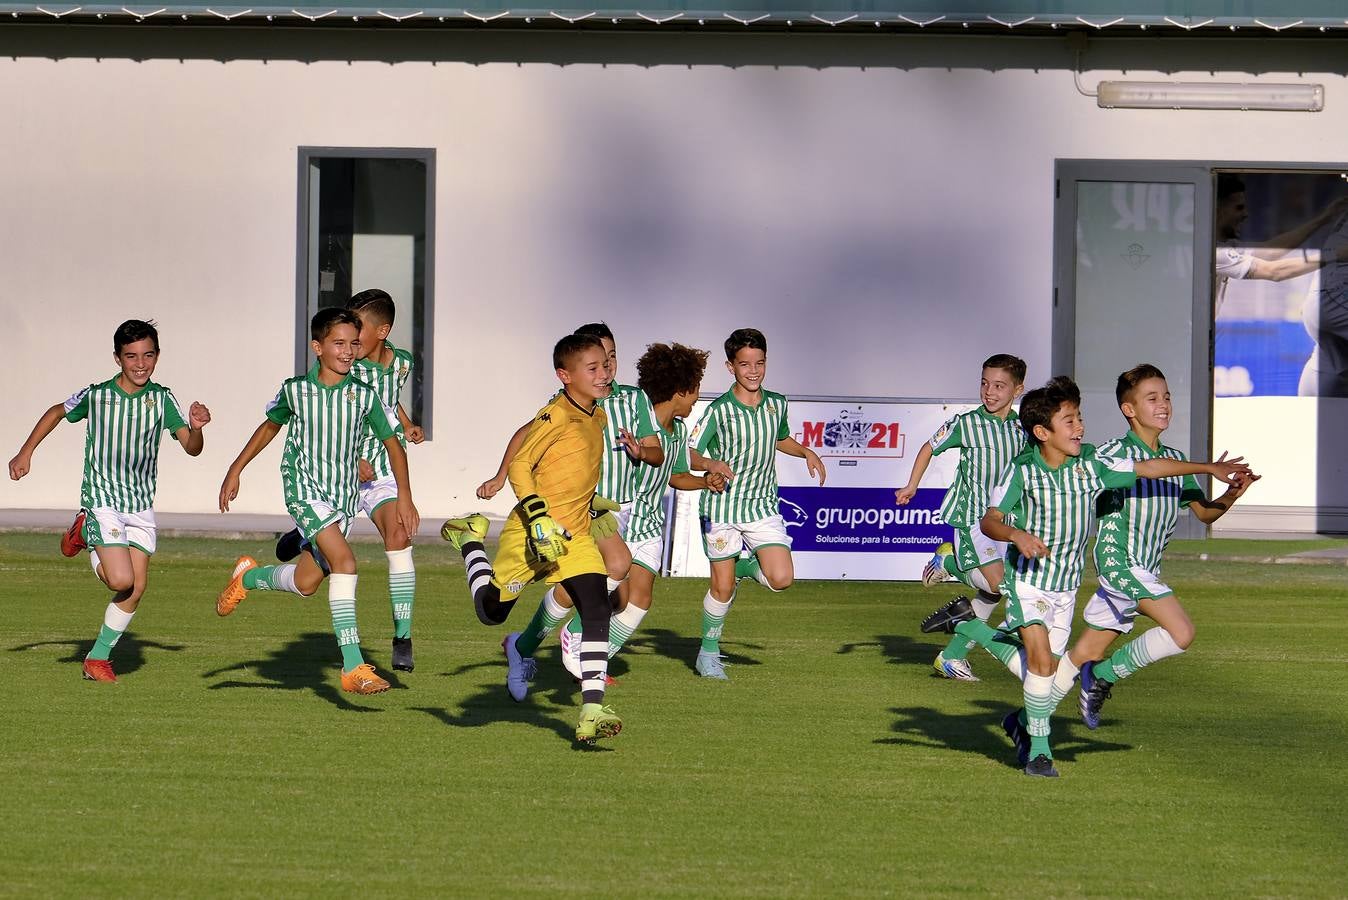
{"x": 99, "y": 670}
{"x": 363, "y": 680}
{"x": 233, "y": 595}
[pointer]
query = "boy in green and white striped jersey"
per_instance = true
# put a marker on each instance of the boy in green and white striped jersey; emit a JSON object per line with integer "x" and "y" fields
{"x": 1043, "y": 508}
{"x": 326, "y": 412}
{"x": 127, "y": 417}
{"x": 988, "y": 438}
{"x": 631, "y": 447}
{"x": 385, "y": 368}
{"x": 741, "y": 433}
{"x": 1135, "y": 526}
{"x": 671, "y": 376}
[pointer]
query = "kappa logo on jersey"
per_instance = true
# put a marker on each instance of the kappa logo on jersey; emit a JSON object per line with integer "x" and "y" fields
{"x": 546, "y": 417}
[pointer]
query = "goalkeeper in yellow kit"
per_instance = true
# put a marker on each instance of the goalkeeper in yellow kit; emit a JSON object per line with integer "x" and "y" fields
{"x": 547, "y": 537}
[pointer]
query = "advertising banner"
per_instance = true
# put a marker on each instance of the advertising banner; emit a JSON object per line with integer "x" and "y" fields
{"x": 850, "y": 528}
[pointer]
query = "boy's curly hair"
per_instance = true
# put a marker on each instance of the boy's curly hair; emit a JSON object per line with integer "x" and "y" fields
{"x": 668, "y": 369}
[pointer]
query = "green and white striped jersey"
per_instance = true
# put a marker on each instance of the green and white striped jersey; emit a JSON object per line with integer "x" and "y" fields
{"x": 325, "y": 428}
{"x": 1058, "y": 507}
{"x": 987, "y": 445}
{"x": 647, "y": 517}
{"x": 387, "y": 382}
{"x": 628, "y": 409}
{"x": 1136, "y": 523}
{"x": 745, "y": 438}
{"x": 121, "y": 442}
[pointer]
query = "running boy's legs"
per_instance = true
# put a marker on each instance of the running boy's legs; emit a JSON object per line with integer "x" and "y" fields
{"x": 402, "y": 574}
{"x": 117, "y": 616}
{"x": 331, "y": 542}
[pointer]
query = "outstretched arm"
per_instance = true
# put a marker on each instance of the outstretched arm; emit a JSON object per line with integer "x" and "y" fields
{"x": 492, "y": 485}
{"x": 20, "y": 464}
{"x": 229, "y": 489}
{"x": 1209, "y": 511}
{"x": 1227, "y": 470}
{"x": 908, "y": 491}
{"x": 792, "y": 447}
{"x": 1282, "y": 244}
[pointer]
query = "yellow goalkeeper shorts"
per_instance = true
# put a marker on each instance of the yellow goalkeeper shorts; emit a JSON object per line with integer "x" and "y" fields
{"x": 514, "y": 572}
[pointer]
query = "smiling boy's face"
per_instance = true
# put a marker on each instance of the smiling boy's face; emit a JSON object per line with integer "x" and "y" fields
{"x": 586, "y": 375}
{"x": 1149, "y": 404}
{"x": 1065, "y": 430}
{"x": 137, "y": 361}
{"x": 749, "y": 367}
{"x": 339, "y": 348}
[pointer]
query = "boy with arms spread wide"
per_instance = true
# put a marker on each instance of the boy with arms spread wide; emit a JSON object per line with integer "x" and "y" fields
{"x": 988, "y": 438}
{"x": 326, "y": 413}
{"x": 1135, "y": 526}
{"x": 1044, "y": 508}
{"x": 126, "y": 417}
{"x": 743, "y": 429}
{"x": 547, "y": 537}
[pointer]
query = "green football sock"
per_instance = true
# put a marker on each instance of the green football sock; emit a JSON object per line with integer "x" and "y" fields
{"x": 548, "y": 616}
{"x": 402, "y": 588}
{"x": 342, "y": 604}
{"x": 975, "y": 633}
{"x": 952, "y": 567}
{"x": 746, "y": 567}
{"x": 1038, "y": 708}
{"x": 713, "y": 621}
{"x": 1153, "y": 646}
{"x": 259, "y": 579}
{"x": 115, "y": 623}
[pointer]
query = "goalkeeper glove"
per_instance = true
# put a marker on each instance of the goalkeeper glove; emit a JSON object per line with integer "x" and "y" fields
{"x": 603, "y": 523}
{"x": 544, "y": 539}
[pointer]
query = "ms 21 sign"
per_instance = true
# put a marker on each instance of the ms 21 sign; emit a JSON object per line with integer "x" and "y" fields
{"x": 853, "y": 431}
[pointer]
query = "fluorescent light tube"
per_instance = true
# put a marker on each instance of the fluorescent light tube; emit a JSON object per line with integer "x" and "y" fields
{"x": 1210, "y": 95}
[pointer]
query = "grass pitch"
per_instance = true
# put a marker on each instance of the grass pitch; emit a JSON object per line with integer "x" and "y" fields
{"x": 228, "y": 762}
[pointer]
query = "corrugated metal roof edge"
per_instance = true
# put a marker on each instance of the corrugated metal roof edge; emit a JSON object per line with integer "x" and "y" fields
{"x": 710, "y": 17}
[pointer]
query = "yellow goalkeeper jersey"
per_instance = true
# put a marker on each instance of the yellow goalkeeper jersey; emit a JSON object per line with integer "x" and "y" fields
{"x": 560, "y": 459}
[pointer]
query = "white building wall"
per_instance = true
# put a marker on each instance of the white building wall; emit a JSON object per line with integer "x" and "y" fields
{"x": 880, "y": 206}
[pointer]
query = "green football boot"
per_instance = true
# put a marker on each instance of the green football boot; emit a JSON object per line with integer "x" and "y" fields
{"x": 467, "y": 529}
{"x": 597, "y": 721}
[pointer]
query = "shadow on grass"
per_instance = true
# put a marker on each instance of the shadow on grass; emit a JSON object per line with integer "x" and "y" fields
{"x": 491, "y": 705}
{"x": 899, "y": 649}
{"x": 683, "y": 648}
{"x": 981, "y": 732}
{"x": 303, "y": 664}
{"x": 127, "y": 657}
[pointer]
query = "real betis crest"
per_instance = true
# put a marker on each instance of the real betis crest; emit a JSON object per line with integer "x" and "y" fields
{"x": 350, "y": 394}
{"x": 149, "y": 401}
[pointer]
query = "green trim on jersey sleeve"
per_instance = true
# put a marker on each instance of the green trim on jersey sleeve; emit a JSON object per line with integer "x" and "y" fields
{"x": 1114, "y": 471}
{"x": 278, "y": 410}
{"x": 77, "y": 407}
{"x": 1190, "y": 492}
{"x": 382, "y": 420}
{"x": 1012, "y": 493}
{"x": 784, "y": 429}
{"x": 948, "y": 437}
{"x": 705, "y": 432}
{"x": 646, "y": 424}
{"x": 680, "y": 442}
{"x": 173, "y": 414}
